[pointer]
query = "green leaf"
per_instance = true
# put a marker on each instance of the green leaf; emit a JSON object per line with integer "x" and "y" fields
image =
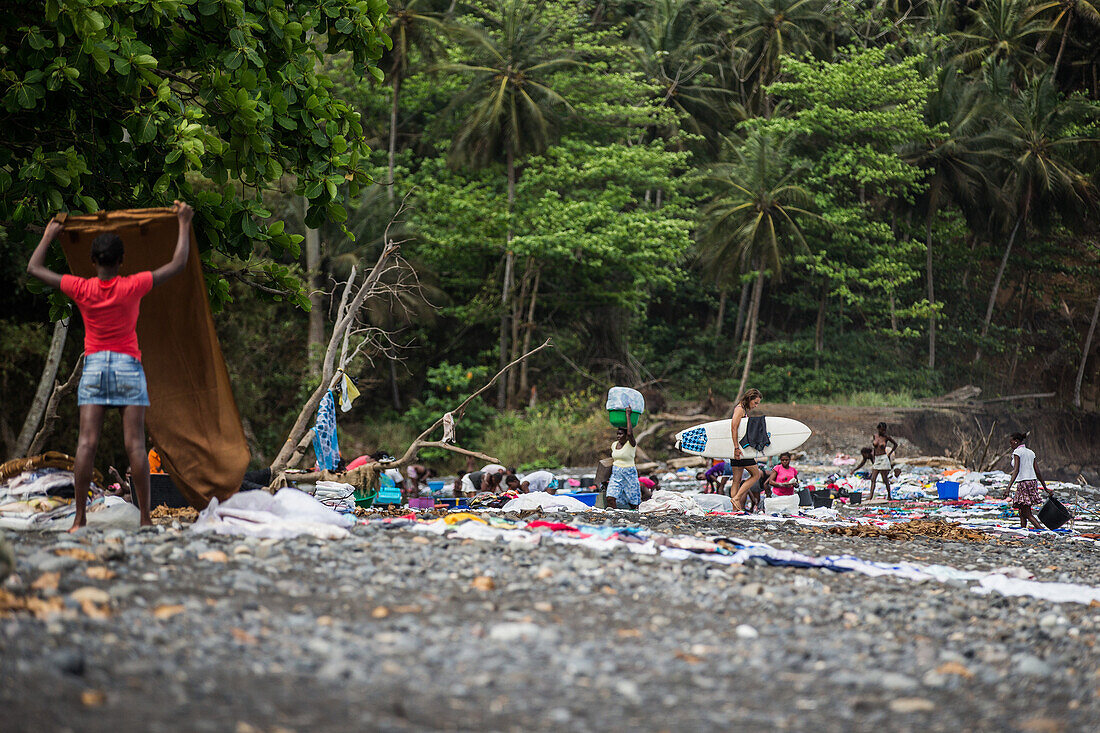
{"x": 146, "y": 129}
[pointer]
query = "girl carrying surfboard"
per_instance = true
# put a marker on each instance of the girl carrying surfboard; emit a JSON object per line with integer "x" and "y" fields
{"x": 748, "y": 402}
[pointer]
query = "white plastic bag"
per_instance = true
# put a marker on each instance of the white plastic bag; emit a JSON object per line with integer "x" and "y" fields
{"x": 622, "y": 398}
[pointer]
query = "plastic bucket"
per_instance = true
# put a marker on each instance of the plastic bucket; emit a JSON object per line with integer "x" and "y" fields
{"x": 804, "y": 498}
{"x": 588, "y": 497}
{"x": 947, "y": 489}
{"x": 422, "y": 502}
{"x": 1054, "y": 513}
{"x": 618, "y": 418}
{"x": 822, "y": 498}
{"x": 435, "y": 486}
{"x": 855, "y": 497}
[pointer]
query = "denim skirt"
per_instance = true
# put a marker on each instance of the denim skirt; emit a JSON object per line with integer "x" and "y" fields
{"x": 113, "y": 379}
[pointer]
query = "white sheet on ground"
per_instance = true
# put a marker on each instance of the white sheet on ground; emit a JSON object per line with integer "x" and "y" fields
{"x": 712, "y": 502}
{"x": 671, "y": 501}
{"x": 781, "y": 504}
{"x": 289, "y": 513}
{"x": 1057, "y": 592}
{"x": 542, "y": 500}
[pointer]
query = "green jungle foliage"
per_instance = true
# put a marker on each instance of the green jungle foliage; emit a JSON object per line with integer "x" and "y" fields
{"x": 840, "y": 202}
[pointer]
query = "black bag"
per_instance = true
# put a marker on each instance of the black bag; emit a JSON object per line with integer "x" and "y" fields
{"x": 1054, "y": 513}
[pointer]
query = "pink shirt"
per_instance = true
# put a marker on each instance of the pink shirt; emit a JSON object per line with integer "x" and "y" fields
{"x": 784, "y": 475}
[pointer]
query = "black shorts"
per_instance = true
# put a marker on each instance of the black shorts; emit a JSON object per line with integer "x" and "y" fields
{"x": 742, "y": 463}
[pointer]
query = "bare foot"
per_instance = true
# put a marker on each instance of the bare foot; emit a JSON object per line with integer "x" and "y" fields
{"x": 146, "y": 521}
{"x": 78, "y": 523}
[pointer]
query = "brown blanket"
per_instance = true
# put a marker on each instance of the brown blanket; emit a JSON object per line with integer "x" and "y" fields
{"x": 192, "y": 416}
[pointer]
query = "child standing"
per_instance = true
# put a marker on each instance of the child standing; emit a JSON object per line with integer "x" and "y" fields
{"x": 623, "y": 489}
{"x": 113, "y": 375}
{"x": 1027, "y": 477}
{"x": 881, "y": 443}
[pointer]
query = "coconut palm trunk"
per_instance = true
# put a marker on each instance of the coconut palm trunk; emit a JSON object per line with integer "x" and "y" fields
{"x": 506, "y": 285}
{"x": 1001, "y": 272}
{"x": 742, "y": 307}
{"x": 392, "y": 188}
{"x": 1085, "y": 354}
{"x": 931, "y": 294}
{"x": 754, "y": 317}
{"x": 722, "y": 296}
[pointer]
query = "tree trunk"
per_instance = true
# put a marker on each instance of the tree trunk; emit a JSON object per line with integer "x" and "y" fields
{"x": 1085, "y": 355}
{"x": 722, "y": 295}
{"x": 969, "y": 260}
{"x": 893, "y": 314}
{"x": 506, "y": 286}
{"x": 48, "y": 420}
{"x": 1019, "y": 327}
{"x": 1061, "y": 46}
{"x": 754, "y": 316}
{"x": 517, "y": 323}
{"x": 315, "y": 338}
{"x": 528, "y": 329}
{"x": 45, "y": 388}
{"x": 819, "y": 329}
{"x": 345, "y": 319}
{"x": 396, "y": 393}
{"x": 392, "y": 188}
{"x": 931, "y": 294}
{"x": 742, "y": 314}
{"x": 997, "y": 282}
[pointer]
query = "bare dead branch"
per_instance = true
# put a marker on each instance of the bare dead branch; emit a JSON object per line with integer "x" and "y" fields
{"x": 48, "y": 420}
{"x": 421, "y": 441}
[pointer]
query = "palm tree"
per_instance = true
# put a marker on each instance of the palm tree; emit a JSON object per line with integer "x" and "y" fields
{"x": 753, "y": 219}
{"x": 958, "y": 161}
{"x": 1039, "y": 141}
{"x": 512, "y": 110}
{"x": 772, "y": 28}
{"x": 1002, "y": 31}
{"x": 412, "y": 28}
{"x": 673, "y": 50}
{"x": 1064, "y": 12}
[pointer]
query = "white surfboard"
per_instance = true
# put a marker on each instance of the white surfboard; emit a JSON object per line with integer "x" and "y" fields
{"x": 715, "y": 440}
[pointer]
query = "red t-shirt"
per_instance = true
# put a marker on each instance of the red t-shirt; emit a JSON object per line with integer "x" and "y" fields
{"x": 109, "y": 309}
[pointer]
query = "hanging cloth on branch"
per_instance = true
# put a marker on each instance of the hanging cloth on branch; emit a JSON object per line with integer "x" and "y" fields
{"x": 348, "y": 392}
{"x": 325, "y": 444}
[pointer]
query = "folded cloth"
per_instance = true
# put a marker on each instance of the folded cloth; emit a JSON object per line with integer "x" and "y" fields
{"x": 756, "y": 433}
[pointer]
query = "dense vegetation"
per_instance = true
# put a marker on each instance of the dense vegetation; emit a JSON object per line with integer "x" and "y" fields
{"x": 818, "y": 198}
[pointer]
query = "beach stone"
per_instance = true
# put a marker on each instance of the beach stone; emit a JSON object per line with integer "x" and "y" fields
{"x": 1032, "y": 666}
{"x": 69, "y": 660}
{"x": 47, "y": 562}
{"x": 516, "y": 631}
{"x": 904, "y": 705}
{"x": 744, "y": 631}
